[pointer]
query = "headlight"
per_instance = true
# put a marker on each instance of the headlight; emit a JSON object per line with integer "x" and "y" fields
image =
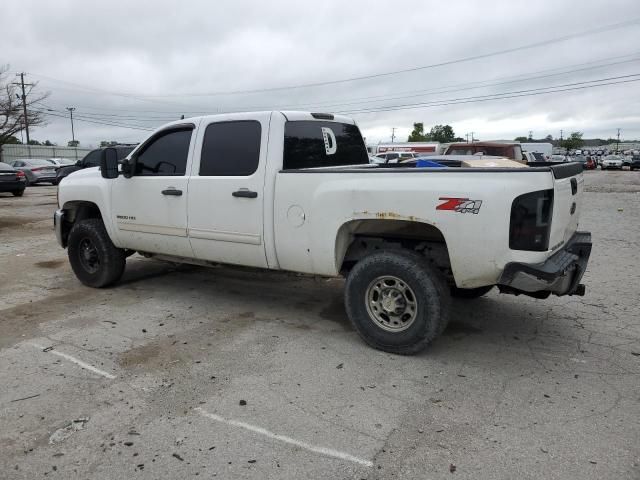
{"x": 531, "y": 221}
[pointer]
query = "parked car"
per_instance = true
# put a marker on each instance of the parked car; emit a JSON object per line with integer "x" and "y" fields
{"x": 12, "y": 180}
{"x": 612, "y": 162}
{"x": 559, "y": 158}
{"x": 91, "y": 159}
{"x": 36, "y": 170}
{"x": 58, "y": 162}
{"x": 635, "y": 162}
{"x": 207, "y": 190}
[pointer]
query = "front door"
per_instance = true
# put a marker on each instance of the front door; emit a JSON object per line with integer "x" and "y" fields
{"x": 150, "y": 208}
{"x": 226, "y": 189}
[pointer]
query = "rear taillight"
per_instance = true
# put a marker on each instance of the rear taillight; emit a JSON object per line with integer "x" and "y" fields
{"x": 36, "y": 169}
{"x": 19, "y": 173}
{"x": 531, "y": 221}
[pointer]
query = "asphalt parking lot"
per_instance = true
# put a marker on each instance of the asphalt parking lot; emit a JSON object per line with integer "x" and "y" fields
{"x": 182, "y": 371}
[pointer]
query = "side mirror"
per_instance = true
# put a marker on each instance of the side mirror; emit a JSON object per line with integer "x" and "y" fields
{"x": 79, "y": 163}
{"x": 109, "y": 163}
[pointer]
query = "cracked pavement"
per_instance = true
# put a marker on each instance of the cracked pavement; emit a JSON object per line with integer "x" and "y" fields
{"x": 515, "y": 388}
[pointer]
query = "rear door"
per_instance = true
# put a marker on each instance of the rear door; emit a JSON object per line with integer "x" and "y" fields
{"x": 150, "y": 208}
{"x": 226, "y": 201}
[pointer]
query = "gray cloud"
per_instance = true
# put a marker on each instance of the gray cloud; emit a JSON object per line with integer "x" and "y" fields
{"x": 105, "y": 59}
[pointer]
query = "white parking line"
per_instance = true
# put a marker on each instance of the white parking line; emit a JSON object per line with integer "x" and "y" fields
{"x": 283, "y": 438}
{"x": 82, "y": 364}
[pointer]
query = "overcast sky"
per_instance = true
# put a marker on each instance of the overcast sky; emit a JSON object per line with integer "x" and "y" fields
{"x": 143, "y": 63}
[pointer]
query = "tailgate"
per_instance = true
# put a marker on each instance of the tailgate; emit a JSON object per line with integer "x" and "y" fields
{"x": 567, "y": 201}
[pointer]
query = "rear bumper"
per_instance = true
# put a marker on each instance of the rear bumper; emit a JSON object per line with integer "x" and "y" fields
{"x": 560, "y": 274}
{"x": 58, "y": 221}
{"x": 12, "y": 186}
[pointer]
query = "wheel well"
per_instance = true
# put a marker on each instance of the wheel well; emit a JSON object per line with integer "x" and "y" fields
{"x": 76, "y": 211}
{"x": 80, "y": 210}
{"x": 359, "y": 238}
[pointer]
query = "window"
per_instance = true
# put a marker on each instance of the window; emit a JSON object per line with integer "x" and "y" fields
{"x": 231, "y": 149}
{"x": 92, "y": 159}
{"x": 309, "y": 144}
{"x": 166, "y": 154}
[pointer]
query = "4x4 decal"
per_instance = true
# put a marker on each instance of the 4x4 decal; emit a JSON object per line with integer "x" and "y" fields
{"x": 460, "y": 205}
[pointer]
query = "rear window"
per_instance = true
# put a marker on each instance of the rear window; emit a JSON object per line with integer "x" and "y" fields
{"x": 310, "y": 144}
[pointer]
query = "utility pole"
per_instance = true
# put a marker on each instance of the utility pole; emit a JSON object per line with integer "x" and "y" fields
{"x": 393, "y": 134}
{"x": 24, "y": 102}
{"x": 530, "y": 134}
{"x": 618, "y": 142}
{"x": 467, "y": 137}
{"x": 73, "y": 135}
{"x": 561, "y": 136}
{"x": 472, "y": 139}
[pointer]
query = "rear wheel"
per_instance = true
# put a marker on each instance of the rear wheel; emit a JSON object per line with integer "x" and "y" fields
{"x": 95, "y": 260}
{"x": 397, "y": 301}
{"x": 18, "y": 193}
{"x": 470, "y": 293}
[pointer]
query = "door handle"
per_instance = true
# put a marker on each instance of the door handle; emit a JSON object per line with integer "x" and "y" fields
{"x": 172, "y": 191}
{"x": 245, "y": 194}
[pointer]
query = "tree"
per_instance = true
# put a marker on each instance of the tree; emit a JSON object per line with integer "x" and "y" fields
{"x": 573, "y": 141}
{"x": 106, "y": 143}
{"x": 73, "y": 143}
{"x": 417, "y": 135}
{"x": 442, "y": 134}
{"x": 13, "y": 140}
{"x": 11, "y": 108}
{"x": 520, "y": 139}
{"x": 48, "y": 143}
{"x": 549, "y": 138}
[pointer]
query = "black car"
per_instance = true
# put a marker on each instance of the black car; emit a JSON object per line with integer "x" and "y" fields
{"x": 12, "y": 180}
{"x": 635, "y": 162}
{"x": 91, "y": 159}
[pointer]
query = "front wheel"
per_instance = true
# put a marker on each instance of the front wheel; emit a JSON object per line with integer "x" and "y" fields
{"x": 397, "y": 301}
{"x": 95, "y": 260}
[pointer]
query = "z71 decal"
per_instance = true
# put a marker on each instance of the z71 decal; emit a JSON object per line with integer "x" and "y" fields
{"x": 460, "y": 205}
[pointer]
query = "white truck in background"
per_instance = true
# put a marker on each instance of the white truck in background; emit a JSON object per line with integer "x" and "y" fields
{"x": 295, "y": 191}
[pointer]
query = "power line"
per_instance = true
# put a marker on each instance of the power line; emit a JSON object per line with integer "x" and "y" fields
{"x": 550, "y": 41}
{"x": 463, "y": 86}
{"x": 423, "y": 67}
{"x": 44, "y": 112}
{"x": 485, "y": 98}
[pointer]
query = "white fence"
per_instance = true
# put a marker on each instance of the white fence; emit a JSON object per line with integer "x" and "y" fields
{"x": 15, "y": 152}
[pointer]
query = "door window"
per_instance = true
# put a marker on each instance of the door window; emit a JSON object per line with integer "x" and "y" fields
{"x": 165, "y": 155}
{"x": 231, "y": 149}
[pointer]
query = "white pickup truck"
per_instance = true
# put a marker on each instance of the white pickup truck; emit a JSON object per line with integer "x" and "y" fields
{"x": 295, "y": 191}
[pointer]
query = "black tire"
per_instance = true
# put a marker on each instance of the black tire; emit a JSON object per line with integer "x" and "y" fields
{"x": 425, "y": 283}
{"x": 470, "y": 293}
{"x": 18, "y": 193}
{"x": 95, "y": 260}
{"x": 26, "y": 181}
